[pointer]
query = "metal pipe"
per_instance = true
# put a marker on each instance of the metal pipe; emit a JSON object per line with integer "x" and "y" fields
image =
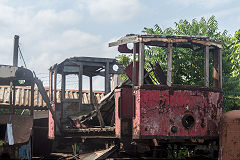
{"x": 15, "y": 51}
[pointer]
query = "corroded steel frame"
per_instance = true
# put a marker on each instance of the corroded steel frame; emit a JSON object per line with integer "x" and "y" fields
{"x": 170, "y": 41}
{"x": 87, "y": 66}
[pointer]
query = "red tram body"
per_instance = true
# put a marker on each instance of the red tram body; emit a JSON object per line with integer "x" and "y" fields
{"x": 160, "y": 111}
{"x": 165, "y": 112}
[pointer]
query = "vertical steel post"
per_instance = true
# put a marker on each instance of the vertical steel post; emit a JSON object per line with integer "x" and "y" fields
{"x": 50, "y": 85}
{"x": 141, "y": 63}
{"x": 107, "y": 79}
{"x": 169, "y": 65}
{"x": 80, "y": 85}
{"x": 55, "y": 85}
{"x": 63, "y": 86}
{"x": 215, "y": 72}
{"x": 134, "y": 64}
{"x": 220, "y": 67}
{"x": 32, "y": 97}
{"x": 15, "y": 51}
{"x": 206, "y": 66}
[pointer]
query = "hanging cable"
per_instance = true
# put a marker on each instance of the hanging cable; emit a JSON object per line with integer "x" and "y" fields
{"x": 22, "y": 57}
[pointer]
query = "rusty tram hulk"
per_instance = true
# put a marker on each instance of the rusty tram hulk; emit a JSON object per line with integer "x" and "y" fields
{"x": 172, "y": 117}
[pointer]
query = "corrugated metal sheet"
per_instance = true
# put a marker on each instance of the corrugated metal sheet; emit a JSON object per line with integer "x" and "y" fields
{"x": 23, "y": 96}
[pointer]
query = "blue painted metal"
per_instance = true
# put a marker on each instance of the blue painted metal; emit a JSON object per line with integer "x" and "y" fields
{"x": 25, "y": 151}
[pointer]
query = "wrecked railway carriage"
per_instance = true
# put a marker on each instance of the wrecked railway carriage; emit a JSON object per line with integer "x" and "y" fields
{"x": 180, "y": 115}
{"x": 154, "y": 119}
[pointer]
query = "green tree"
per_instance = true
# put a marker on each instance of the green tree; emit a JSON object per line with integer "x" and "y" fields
{"x": 232, "y": 79}
{"x": 235, "y": 56}
{"x": 125, "y": 60}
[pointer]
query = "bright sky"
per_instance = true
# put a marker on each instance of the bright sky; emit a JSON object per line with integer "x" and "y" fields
{"x": 53, "y": 30}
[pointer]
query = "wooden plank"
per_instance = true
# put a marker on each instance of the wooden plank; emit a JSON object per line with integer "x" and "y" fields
{"x": 17, "y": 101}
{"x": 24, "y": 97}
{"x": 10, "y": 97}
{"x": 99, "y": 115}
{"x": 125, "y": 40}
{"x": 75, "y": 95}
{"x": 6, "y": 95}
{"x": 169, "y": 65}
{"x": 85, "y": 98}
{"x": 2, "y": 94}
{"x": 39, "y": 99}
{"x": 206, "y": 66}
{"x": 14, "y": 95}
{"x": 141, "y": 64}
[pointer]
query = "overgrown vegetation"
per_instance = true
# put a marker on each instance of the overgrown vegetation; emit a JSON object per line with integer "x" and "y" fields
{"x": 188, "y": 63}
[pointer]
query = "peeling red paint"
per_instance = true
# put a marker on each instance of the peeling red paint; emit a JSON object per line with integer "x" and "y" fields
{"x": 158, "y": 110}
{"x": 51, "y": 126}
{"x": 124, "y": 108}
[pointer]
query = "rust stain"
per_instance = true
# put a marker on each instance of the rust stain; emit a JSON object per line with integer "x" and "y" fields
{"x": 160, "y": 110}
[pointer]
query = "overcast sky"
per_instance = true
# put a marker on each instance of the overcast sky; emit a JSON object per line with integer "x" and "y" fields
{"x": 53, "y": 30}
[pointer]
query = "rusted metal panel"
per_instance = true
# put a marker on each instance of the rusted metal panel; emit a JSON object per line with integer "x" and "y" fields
{"x": 230, "y": 136}
{"x": 117, "y": 118}
{"x": 23, "y": 96}
{"x": 41, "y": 144}
{"x": 129, "y": 72}
{"x": 124, "y": 108}
{"x": 51, "y": 126}
{"x": 7, "y": 71}
{"x": 22, "y": 126}
{"x": 162, "y": 112}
